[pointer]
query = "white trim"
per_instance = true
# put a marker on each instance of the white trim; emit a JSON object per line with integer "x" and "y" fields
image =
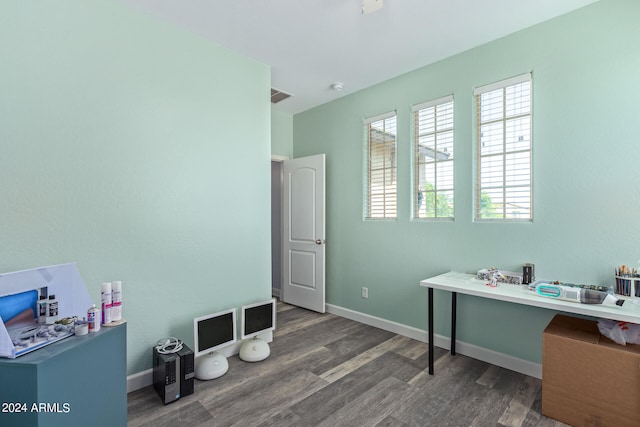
{"x": 275, "y": 292}
{"x": 369, "y": 120}
{"x": 422, "y": 106}
{"x": 502, "y": 83}
{"x": 277, "y": 158}
{"x": 486, "y": 355}
{"x": 139, "y": 380}
{"x": 387, "y": 325}
{"x": 516, "y": 364}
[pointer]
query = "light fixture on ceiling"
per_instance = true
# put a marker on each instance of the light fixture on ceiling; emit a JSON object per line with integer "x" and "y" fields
{"x": 369, "y": 6}
{"x": 337, "y": 86}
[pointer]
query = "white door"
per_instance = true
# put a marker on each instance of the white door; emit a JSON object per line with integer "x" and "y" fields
{"x": 303, "y": 229}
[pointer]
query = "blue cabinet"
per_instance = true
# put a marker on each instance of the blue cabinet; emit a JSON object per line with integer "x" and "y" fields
{"x": 77, "y": 381}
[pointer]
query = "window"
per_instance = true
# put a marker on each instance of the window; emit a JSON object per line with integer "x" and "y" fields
{"x": 433, "y": 159}
{"x": 381, "y": 178}
{"x": 503, "y": 182}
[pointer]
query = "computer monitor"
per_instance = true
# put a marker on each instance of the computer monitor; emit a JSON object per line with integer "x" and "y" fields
{"x": 211, "y": 333}
{"x": 257, "y": 319}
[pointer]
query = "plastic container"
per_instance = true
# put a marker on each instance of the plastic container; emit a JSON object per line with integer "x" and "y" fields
{"x": 628, "y": 286}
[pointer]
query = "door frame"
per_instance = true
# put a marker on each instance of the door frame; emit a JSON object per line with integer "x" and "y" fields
{"x": 278, "y": 159}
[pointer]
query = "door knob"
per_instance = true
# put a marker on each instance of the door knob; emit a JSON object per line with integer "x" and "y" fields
{"x": 320, "y": 241}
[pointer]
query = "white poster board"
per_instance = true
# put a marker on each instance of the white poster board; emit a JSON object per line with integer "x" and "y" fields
{"x": 63, "y": 281}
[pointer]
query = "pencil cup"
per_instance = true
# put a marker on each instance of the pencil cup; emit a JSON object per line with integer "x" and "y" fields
{"x": 628, "y": 286}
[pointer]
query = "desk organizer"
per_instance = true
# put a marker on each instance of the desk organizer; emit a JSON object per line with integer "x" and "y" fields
{"x": 627, "y": 286}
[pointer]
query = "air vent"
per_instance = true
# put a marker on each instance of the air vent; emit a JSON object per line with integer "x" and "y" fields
{"x": 277, "y": 96}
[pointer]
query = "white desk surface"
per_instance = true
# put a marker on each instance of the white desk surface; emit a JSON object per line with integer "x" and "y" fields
{"x": 463, "y": 283}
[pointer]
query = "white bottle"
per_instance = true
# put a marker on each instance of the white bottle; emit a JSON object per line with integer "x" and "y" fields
{"x": 107, "y": 303}
{"x": 116, "y": 296}
{"x": 93, "y": 318}
{"x": 42, "y": 309}
{"x": 52, "y": 310}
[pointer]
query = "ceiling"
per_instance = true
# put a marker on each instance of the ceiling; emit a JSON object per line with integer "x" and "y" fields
{"x": 312, "y": 44}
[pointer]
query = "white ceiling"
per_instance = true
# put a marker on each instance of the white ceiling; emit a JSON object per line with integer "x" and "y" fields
{"x": 311, "y": 44}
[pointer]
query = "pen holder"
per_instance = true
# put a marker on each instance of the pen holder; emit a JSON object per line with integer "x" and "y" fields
{"x": 628, "y": 286}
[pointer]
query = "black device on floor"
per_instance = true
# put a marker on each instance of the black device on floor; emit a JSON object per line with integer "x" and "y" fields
{"x": 187, "y": 371}
{"x": 173, "y": 373}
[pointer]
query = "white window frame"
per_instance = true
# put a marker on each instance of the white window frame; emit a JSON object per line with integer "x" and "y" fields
{"x": 442, "y": 159}
{"x": 381, "y": 167}
{"x": 510, "y": 176}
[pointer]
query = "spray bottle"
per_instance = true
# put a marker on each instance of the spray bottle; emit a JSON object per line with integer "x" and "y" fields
{"x": 116, "y": 297}
{"x": 584, "y": 296}
{"x": 107, "y": 303}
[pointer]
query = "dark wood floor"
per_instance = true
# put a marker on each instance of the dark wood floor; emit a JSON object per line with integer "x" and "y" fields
{"x": 326, "y": 370}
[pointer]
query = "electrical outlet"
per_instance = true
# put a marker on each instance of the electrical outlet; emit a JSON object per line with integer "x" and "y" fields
{"x": 365, "y": 292}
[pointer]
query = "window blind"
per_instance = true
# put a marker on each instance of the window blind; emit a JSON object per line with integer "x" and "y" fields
{"x": 433, "y": 159}
{"x": 381, "y": 167}
{"x": 503, "y": 182}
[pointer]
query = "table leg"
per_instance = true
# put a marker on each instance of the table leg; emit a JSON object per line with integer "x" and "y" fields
{"x": 454, "y": 297}
{"x": 430, "y": 325}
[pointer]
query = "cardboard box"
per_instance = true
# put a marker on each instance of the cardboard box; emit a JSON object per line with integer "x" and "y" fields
{"x": 587, "y": 379}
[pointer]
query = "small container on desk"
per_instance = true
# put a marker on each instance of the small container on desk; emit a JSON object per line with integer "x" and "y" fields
{"x": 628, "y": 286}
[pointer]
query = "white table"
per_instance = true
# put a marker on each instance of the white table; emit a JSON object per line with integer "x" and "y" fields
{"x": 520, "y": 294}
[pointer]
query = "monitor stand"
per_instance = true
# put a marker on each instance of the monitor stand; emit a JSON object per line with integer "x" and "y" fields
{"x": 254, "y": 350}
{"x": 210, "y": 366}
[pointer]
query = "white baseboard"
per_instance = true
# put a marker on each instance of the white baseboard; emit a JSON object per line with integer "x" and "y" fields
{"x": 499, "y": 359}
{"x": 139, "y": 380}
{"x": 275, "y": 292}
{"x": 145, "y": 378}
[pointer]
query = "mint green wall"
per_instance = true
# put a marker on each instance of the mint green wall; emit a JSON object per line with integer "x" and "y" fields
{"x": 281, "y": 133}
{"x": 124, "y": 147}
{"x": 586, "y": 178}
